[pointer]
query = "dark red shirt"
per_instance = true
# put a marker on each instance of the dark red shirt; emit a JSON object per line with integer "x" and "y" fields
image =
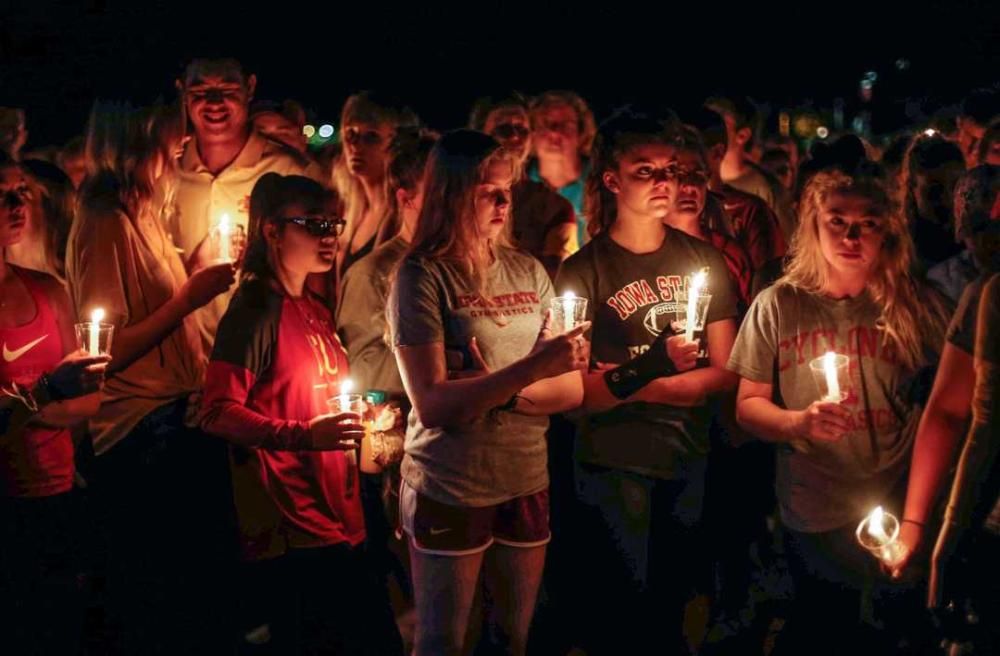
{"x": 38, "y": 461}
{"x": 754, "y": 226}
{"x": 272, "y": 369}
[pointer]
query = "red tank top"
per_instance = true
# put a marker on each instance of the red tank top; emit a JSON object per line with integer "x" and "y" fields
{"x": 39, "y": 461}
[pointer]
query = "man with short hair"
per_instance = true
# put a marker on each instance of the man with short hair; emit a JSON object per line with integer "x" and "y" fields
{"x": 738, "y": 170}
{"x": 544, "y": 223}
{"x": 980, "y": 108}
{"x": 753, "y": 224}
{"x": 221, "y": 164}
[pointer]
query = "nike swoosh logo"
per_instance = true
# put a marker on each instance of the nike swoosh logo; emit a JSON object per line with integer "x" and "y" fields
{"x": 10, "y": 356}
{"x": 439, "y": 531}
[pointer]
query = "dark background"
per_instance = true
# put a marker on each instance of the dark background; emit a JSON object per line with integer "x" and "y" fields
{"x": 57, "y": 57}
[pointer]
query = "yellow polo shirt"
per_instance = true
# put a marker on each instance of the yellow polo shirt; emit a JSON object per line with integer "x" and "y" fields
{"x": 202, "y": 198}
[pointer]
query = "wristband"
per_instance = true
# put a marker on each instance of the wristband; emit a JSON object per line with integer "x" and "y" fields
{"x": 629, "y": 378}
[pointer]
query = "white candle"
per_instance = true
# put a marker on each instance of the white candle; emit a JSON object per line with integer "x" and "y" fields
{"x": 569, "y": 307}
{"x": 697, "y": 282}
{"x": 833, "y": 385}
{"x": 225, "y": 229}
{"x": 346, "y": 388}
{"x": 95, "y": 331}
{"x": 876, "y": 527}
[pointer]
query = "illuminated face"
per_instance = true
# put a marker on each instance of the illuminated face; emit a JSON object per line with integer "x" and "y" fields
{"x": 492, "y": 199}
{"x": 511, "y": 127}
{"x": 218, "y": 105}
{"x": 851, "y": 232}
{"x": 299, "y": 250}
{"x": 692, "y": 184}
{"x": 365, "y": 146}
{"x": 645, "y": 181}
{"x": 15, "y": 196}
{"x": 557, "y": 131}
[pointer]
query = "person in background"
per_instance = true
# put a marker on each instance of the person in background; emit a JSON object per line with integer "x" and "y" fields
{"x": 979, "y": 109}
{"x": 284, "y": 123}
{"x": 367, "y": 124}
{"x": 847, "y": 288}
{"x": 779, "y": 164}
{"x": 13, "y": 132}
{"x": 562, "y": 133}
{"x": 276, "y": 362}
{"x": 989, "y": 147}
{"x": 739, "y": 170}
{"x": 161, "y": 484}
{"x": 73, "y": 161}
{"x": 931, "y": 169}
{"x": 750, "y": 221}
{"x": 544, "y": 223}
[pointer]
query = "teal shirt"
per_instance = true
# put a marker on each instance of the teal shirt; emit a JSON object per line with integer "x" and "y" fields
{"x": 573, "y": 192}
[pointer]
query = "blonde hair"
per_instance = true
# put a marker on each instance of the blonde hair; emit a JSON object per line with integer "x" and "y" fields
{"x": 123, "y": 149}
{"x": 913, "y": 317}
{"x": 446, "y": 228}
{"x": 586, "y": 125}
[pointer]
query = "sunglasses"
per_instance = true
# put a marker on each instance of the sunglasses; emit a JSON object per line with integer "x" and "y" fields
{"x": 316, "y": 227}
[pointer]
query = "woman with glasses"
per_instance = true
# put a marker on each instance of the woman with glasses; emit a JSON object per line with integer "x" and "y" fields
{"x": 276, "y": 362}
{"x": 847, "y": 289}
{"x": 640, "y": 466}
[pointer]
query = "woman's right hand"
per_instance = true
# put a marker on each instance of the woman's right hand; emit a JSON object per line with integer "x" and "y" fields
{"x": 910, "y": 537}
{"x": 682, "y": 353}
{"x": 822, "y": 421}
{"x": 205, "y": 284}
{"x": 554, "y": 356}
{"x": 342, "y": 432}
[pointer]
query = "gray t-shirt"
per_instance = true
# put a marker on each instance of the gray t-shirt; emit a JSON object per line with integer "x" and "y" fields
{"x": 495, "y": 458}
{"x": 830, "y": 484}
{"x": 962, "y": 329}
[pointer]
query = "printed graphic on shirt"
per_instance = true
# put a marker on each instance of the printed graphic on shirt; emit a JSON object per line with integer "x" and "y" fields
{"x": 661, "y": 307}
{"x": 504, "y": 305}
{"x": 12, "y": 355}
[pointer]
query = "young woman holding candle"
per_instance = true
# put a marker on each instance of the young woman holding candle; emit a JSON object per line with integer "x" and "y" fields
{"x": 159, "y": 481}
{"x": 46, "y": 386}
{"x": 640, "y": 466}
{"x": 847, "y": 289}
{"x": 276, "y": 362}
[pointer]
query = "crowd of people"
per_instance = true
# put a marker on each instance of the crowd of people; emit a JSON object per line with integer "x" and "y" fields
{"x": 505, "y": 480}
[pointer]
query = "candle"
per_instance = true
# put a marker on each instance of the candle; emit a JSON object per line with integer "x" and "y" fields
{"x": 872, "y": 535}
{"x": 568, "y": 303}
{"x": 95, "y": 331}
{"x": 697, "y": 282}
{"x": 346, "y": 388}
{"x": 832, "y": 384}
{"x": 225, "y": 230}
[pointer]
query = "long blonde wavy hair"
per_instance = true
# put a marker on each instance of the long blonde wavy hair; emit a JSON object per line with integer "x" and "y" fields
{"x": 914, "y": 317}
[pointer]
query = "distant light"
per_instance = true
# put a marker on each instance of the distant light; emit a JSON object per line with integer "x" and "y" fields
{"x": 308, "y": 131}
{"x": 326, "y": 130}
{"x": 902, "y": 64}
{"x": 930, "y": 132}
{"x": 871, "y": 75}
{"x": 822, "y": 132}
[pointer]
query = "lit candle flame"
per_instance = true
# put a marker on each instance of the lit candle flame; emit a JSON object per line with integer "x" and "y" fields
{"x": 697, "y": 282}
{"x": 876, "y": 528}
{"x": 96, "y": 316}
{"x": 347, "y": 386}
{"x": 568, "y": 303}
{"x": 225, "y": 232}
{"x": 832, "y": 384}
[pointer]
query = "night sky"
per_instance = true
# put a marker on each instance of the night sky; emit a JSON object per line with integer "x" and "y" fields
{"x": 55, "y": 58}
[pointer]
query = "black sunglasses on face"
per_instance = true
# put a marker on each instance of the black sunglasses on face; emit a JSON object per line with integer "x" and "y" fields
{"x": 510, "y": 130}
{"x": 316, "y": 227}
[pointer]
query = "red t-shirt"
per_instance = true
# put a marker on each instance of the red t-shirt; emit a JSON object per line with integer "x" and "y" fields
{"x": 754, "y": 225}
{"x": 274, "y": 360}
{"x": 38, "y": 462}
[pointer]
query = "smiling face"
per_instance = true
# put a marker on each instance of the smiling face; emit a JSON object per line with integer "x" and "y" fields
{"x": 645, "y": 181}
{"x": 851, "y": 232}
{"x": 491, "y": 199}
{"x": 218, "y": 105}
{"x": 15, "y": 196}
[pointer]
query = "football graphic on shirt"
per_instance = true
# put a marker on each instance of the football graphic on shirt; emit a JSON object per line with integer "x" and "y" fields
{"x": 661, "y": 316}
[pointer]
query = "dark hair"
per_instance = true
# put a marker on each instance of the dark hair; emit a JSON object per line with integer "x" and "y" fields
{"x": 925, "y": 153}
{"x": 486, "y": 105}
{"x": 620, "y": 133}
{"x": 407, "y": 157}
{"x": 221, "y": 66}
{"x": 990, "y": 136}
{"x": 710, "y": 125}
{"x": 845, "y": 154}
{"x": 271, "y": 194}
{"x": 56, "y": 198}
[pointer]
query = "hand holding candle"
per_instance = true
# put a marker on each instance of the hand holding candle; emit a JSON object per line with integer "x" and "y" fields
{"x": 879, "y": 533}
{"x": 347, "y": 401}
